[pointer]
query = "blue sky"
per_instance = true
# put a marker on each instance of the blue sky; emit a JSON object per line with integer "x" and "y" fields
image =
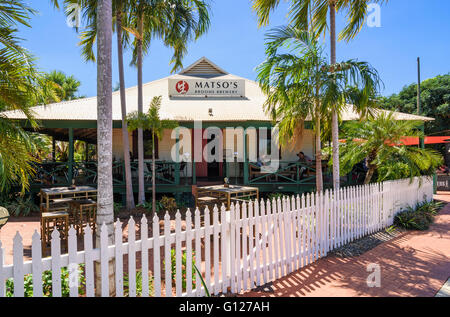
{"x": 409, "y": 28}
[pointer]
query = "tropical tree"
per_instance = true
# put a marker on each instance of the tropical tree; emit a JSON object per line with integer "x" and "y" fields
{"x": 88, "y": 38}
{"x": 299, "y": 82}
{"x": 292, "y": 82}
{"x": 65, "y": 87}
{"x": 435, "y": 103}
{"x": 380, "y": 142}
{"x": 121, "y": 7}
{"x": 176, "y": 23}
{"x": 306, "y": 14}
{"x": 21, "y": 87}
{"x": 151, "y": 121}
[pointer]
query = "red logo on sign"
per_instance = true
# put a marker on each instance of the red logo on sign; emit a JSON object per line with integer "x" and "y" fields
{"x": 182, "y": 87}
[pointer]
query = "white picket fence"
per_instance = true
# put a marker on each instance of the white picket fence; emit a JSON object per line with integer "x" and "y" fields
{"x": 251, "y": 244}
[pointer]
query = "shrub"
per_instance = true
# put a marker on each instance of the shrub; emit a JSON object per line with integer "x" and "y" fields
{"x": 419, "y": 217}
{"x": 47, "y": 283}
{"x": 183, "y": 268}
{"x": 168, "y": 204}
{"x": 275, "y": 196}
{"x": 21, "y": 206}
{"x": 148, "y": 206}
{"x": 126, "y": 284}
{"x": 117, "y": 209}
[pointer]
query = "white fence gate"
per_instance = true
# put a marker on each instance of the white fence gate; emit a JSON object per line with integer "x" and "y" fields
{"x": 237, "y": 250}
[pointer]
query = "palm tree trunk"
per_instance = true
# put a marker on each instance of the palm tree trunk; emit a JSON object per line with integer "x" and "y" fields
{"x": 319, "y": 177}
{"x": 153, "y": 176}
{"x": 369, "y": 175}
{"x": 123, "y": 103}
{"x": 335, "y": 120}
{"x": 105, "y": 210}
{"x": 141, "y": 197}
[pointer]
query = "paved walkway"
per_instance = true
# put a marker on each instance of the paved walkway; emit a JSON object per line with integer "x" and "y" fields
{"x": 413, "y": 264}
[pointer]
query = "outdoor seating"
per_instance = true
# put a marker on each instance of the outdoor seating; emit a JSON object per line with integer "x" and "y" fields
{"x": 50, "y": 221}
{"x": 62, "y": 207}
{"x": 202, "y": 202}
{"x": 255, "y": 171}
{"x": 219, "y": 194}
{"x": 82, "y": 213}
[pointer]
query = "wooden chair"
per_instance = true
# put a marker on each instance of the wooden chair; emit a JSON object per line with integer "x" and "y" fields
{"x": 49, "y": 222}
{"x": 204, "y": 201}
{"x": 255, "y": 171}
{"x": 82, "y": 214}
{"x": 59, "y": 204}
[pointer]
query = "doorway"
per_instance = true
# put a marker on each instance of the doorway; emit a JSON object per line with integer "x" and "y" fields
{"x": 213, "y": 169}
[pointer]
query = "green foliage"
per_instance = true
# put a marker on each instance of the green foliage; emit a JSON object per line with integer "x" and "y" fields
{"x": 65, "y": 87}
{"x": 151, "y": 120}
{"x": 275, "y": 196}
{"x": 22, "y": 86}
{"x": 117, "y": 209}
{"x": 21, "y": 206}
{"x": 148, "y": 206}
{"x": 47, "y": 283}
{"x": 304, "y": 14}
{"x": 379, "y": 140}
{"x": 301, "y": 83}
{"x": 168, "y": 204}
{"x": 126, "y": 284}
{"x": 202, "y": 280}
{"x": 419, "y": 217}
{"x": 435, "y": 103}
{"x": 175, "y": 22}
{"x": 183, "y": 267}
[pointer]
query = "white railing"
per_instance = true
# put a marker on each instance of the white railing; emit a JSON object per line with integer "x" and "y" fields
{"x": 237, "y": 250}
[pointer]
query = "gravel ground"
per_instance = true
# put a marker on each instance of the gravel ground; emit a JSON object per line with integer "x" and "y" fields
{"x": 367, "y": 243}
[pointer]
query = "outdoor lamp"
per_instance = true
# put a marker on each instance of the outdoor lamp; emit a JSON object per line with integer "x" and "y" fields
{"x": 4, "y": 216}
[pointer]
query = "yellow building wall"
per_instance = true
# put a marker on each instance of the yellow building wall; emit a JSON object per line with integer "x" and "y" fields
{"x": 118, "y": 144}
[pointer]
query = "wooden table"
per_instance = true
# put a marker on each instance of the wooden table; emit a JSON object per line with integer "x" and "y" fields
{"x": 64, "y": 193}
{"x": 227, "y": 194}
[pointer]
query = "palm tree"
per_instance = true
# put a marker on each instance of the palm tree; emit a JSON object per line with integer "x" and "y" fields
{"x": 105, "y": 198}
{"x": 88, "y": 38}
{"x": 151, "y": 121}
{"x": 380, "y": 142}
{"x": 300, "y": 83}
{"x": 292, "y": 82}
{"x": 65, "y": 86}
{"x": 120, "y": 9}
{"x": 176, "y": 22}
{"x": 357, "y": 12}
{"x": 21, "y": 87}
{"x": 105, "y": 212}
{"x": 300, "y": 15}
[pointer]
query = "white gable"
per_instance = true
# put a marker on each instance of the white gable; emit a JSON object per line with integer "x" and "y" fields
{"x": 203, "y": 67}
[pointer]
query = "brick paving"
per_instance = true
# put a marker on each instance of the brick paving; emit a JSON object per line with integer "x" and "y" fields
{"x": 413, "y": 264}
